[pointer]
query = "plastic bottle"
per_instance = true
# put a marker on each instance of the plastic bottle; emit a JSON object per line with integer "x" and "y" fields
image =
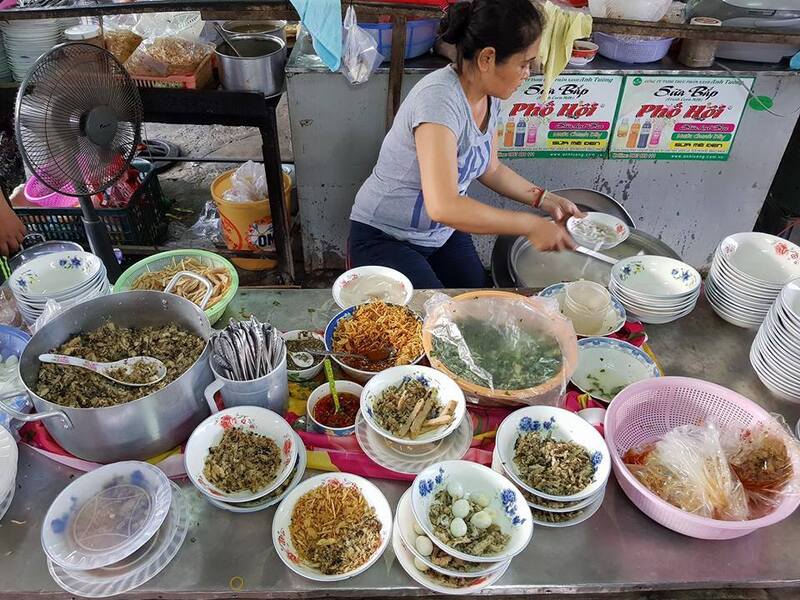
{"x": 532, "y": 131}
{"x": 499, "y": 130}
{"x": 624, "y": 126}
{"x": 644, "y": 134}
{"x": 519, "y": 140}
{"x": 655, "y": 137}
{"x": 633, "y": 135}
{"x": 508, "y": 137}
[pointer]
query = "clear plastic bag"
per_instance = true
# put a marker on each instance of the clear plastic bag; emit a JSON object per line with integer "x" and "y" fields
{"x": 167, "y": 55}
{"x": 689, "y": 469}
{"x": 360, "y": 56}
{"x": 637, "y": 10}
{"x": 764, "y": 458}
{"x": 119, "y": 35}
{"x": 248, "y": 184}
{"x": 502, "y": 347}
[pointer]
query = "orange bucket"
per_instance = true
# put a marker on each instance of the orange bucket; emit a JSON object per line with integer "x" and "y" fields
{"x": 247, "y": 225}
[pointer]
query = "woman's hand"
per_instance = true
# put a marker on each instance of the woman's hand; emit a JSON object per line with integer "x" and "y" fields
{"x": 12, "y": 230}
{"x": 559, "y": 207}
{"x": 547, "y": 236}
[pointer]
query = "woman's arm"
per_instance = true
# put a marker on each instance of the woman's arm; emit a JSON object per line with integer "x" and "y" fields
{"x": 507, "y": 182}
{"x": 12, "y": 231}
{"x": 437, "y": 154}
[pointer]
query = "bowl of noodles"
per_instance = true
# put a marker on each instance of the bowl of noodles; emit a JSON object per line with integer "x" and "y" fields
{"x": 373, "y": 328}
{"x": 332, "y": 527}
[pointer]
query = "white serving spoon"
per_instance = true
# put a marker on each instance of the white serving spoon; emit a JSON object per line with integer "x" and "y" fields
{"x": 104, "y": 368}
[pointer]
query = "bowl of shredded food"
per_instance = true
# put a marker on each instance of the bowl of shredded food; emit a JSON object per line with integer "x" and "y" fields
{"x": 553, "y": 453}
{"x": 501, "y": 347}
{"x": 471, "y": 512}
{"x": 332, "y": 527}
{"x": 413, "y": 405}
{"x": 155, "y": 272}
{"x": 381, "y": 335}
{"x": 240, "y": 454}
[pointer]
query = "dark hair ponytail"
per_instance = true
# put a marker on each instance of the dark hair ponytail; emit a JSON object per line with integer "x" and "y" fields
{"x": 508, "y": 26}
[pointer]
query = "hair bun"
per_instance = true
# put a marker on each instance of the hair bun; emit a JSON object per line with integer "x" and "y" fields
{"x": 455, "y": 22}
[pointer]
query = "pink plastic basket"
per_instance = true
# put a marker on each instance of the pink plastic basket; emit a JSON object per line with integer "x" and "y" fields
{"x": 41, "y": 195}
{"x": 645, "y": 411}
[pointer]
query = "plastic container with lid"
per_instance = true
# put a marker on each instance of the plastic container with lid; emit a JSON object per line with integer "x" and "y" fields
{"x": 86, "y": 33}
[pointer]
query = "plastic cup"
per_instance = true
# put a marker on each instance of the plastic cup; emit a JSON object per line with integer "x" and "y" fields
{"x": 587, "y": 296}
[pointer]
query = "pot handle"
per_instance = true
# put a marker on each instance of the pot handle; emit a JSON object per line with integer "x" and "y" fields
{"x": 37, "y": 416}
{"x": 211, "y": 389}
{"x": 203, "y": 280}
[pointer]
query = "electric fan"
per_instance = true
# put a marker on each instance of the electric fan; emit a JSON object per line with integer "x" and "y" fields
{"x": 78, "y": 125}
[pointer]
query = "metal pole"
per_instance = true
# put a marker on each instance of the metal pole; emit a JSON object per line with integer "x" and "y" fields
{"x": 99, "y": 240}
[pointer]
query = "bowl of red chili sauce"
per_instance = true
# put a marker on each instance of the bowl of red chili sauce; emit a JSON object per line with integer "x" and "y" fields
{"x": 321, "y": 409}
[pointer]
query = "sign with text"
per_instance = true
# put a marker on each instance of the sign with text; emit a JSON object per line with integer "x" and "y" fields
{"x": 574, "y": 122}
{"x": 679, "y": 118}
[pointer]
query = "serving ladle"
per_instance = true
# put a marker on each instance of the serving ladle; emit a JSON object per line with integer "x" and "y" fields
{"x": 305, "y": 359}
{"x": 106, "y": 368}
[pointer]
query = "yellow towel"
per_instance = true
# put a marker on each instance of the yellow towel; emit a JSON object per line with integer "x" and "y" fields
{"x": 561, "y": 29}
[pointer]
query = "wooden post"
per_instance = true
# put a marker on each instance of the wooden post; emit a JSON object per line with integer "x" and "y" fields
{"x": 396, "y": 68}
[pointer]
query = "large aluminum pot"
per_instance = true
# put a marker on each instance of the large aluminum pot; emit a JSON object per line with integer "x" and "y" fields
{"x": 274, "y": 27}
{"x": 260, "y": 68}
{"x": 137, "y": 430}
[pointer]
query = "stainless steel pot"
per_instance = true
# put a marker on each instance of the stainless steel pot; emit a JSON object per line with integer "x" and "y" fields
{"x": 139, "y": 429}
{"x": 276, "y": 27}
{"x": 260, "y": 68}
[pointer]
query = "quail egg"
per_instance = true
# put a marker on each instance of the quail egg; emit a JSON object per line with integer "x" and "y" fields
{"x": 460, "y": 508}
{"x": 482, "y": 500}
{"x": 421, "y": 566}
{"x": 455, "y": 490}
{"x": 423, "y": 545}
{"x": 481, "y": 519}
{"x": 458, "y": 528}
{"x": 418, "y": 530}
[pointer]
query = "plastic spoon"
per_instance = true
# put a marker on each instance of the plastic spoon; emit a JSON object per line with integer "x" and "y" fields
{"x": 332, "y": 383}
{"x": 305, "y": 358}
{"x": 105, "y": 368}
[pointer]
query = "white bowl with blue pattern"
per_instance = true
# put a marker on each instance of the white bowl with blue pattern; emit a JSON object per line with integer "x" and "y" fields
{"x": 613, "y": 321}
{"x": 507, "y": 506}
{"x": 656, "y": 277}
{"x": 562, "y": 425}
{"x": 446, "y": 388}
{"x": 607, "y": 366}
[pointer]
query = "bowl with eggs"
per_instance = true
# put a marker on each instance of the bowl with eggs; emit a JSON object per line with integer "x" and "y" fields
{"x": 471, "y": 512}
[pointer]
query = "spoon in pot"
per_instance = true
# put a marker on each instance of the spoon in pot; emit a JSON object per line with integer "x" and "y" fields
{"x": 120, "y": 371}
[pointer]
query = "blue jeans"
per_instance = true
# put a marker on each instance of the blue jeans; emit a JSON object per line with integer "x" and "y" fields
{"x": 454, "y": 265}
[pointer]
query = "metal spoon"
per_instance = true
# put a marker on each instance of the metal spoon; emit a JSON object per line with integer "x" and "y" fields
{"x": 227, "y": 40}
{"x": 104, "y": 368}
{"x": 305, "y": 359}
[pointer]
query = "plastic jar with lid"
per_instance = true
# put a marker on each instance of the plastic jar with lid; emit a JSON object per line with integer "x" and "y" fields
{"x": 86, "y": 33}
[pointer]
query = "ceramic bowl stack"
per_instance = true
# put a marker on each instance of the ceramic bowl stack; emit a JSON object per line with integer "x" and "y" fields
{"x": 68, "y": 278}
{"x": 433, "y": 562}
{"x": 655, "y": 289}
{"x": 26, "y": 40}
{"x": 550, "y": 510}
{"x": 747, "y": 274}
{"x": 8, "y": 470}
{"x": 263, "y": 422}
{"x": 404, "y": 454}
{"x": 113, "y": 529}
{"x": 775, "y": 353}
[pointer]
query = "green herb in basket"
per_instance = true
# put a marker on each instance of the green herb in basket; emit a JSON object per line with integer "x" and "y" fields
{"x": 189, "y": 288}
{"x": 506, "y": 357}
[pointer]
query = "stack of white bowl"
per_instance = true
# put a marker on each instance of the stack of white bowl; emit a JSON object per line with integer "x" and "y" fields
{"x": 8, "y": 469}
{"x": 655, "y": 289}
{"x": 68, "y": 278}
{"x": 402, "y": 454}
{"x": 144, "y": 524}
{"x": 775, "y": 353}
{"x": 550, "y": 510}
{"x": 258, "y": 420}
{"x": 415, "y": 542}
{"x": 26, "y": 40}
{"x": 747, "y": 274}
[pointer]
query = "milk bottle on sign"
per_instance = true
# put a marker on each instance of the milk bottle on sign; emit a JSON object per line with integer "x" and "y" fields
{"x": 519, "y": 139}
{"x": 644, "y": 134}
{"x": 633, "y": 135}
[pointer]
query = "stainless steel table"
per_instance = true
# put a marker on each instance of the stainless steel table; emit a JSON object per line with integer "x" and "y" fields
{"x": 617, "y": 550}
